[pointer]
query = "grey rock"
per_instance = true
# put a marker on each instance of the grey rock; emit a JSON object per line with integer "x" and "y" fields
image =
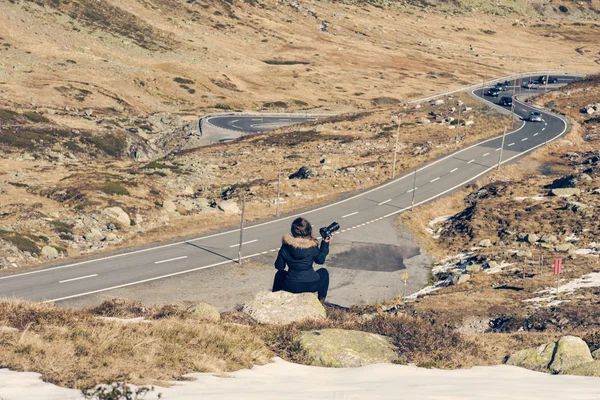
{"x": 524, "y": 253}
{"x": 549, "y": 239}
{"x": 284, "y": 308}
{"x": 462, "y": 278}
{"x": 473, "y": 268}
{"x": 304, "y": 173}
{"x": 485, "y": 243}
{"x": 563, "y": 247}
{"x": 531, "y": 238}
{"x": 169, "y": 206}
{"x": 49, "y": 252}
{"x": 565, "y": 192}
{"x": 204, "y": 311}
{"x": 229, "y": 207}
{"x": 596, "y": 354}
{"x": 536, "y": 359}
{"x": 345, "y": 348}
{"x": 118, "y": 214}
{"x": 570, "y": 351}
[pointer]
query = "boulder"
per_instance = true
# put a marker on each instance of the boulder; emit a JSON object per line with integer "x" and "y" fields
{"x": 549, "y": 239}
{"x": 284, "y": 308}
{"x": 565, "y": 192}
{"x": 304, "y": 173}
{"x": 93, "y": 235}
{"x": 596, "y": 354}
{"x": 118, "y": 215}
{"x": 570, "y": 351}
{"x": 169, "y": 206}
{"x": 485, "y": 243}
{"x": 532, "y": 238}
{"x": 49, "y": 252}
{"x": 591, "y": 368}
{"x": 462, "y": 278}
{"x": 229, "y": 207}
{"x": 524, "y": 253}
{"x": 204, "y": 311}
{"x": 536, "y": 359}
{"x": 563, "y": 247}
{"x": 344, "y": 348}
{"x": 473, "y": 268}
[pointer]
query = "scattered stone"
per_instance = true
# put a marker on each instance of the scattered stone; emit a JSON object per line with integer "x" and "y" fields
{"x": 304, "y": 173}
{"x": 531, "y": 238}
{"x": 485, "y": 243}
{"x": 93, "y": 235}
{"x": 565, "y": 192}
{"x": 570, "y": 351}
{"x": 204, "y": 311}
{"x": 229, "y": 207}
{"x": 284, "y": 308}
{"x": 118, "y": 214}
{"x": 169, "y": 206}
{"x": 549, "y": 239}
{"x": 473, "y": 268}
{"x": 563, "y": 247}
{"x": 524, "y": 253}
{"x": 474, "y": 325}
{"x": 462, "y": 278}
{"x": 591, "y": 368}
{"x": 345, "y": 348}
{"x": 575, "y": 206}
{"x": 536, "y": 359}
{"x": 49, "y": 252}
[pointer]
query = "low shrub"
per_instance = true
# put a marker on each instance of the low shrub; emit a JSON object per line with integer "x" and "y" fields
{"x": 113, "y": 188}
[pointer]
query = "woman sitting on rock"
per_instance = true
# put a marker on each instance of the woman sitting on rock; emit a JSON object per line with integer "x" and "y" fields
{"x": 298, "y": 251}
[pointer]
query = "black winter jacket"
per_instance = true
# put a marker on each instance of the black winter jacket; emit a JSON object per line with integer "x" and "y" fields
{"x": 299, "y": 254}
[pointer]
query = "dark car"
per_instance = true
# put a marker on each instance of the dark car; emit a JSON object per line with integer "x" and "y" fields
{"x": 505, "y": 101}
{"x": 502, "y": 85}
{"x": 492, "y": 92}
{"x": 551, "y": 79}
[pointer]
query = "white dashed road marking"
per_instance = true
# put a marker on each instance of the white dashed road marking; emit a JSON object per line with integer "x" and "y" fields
{"x": 170, "y": 259}
{"x": 349, "y": 215}
{"x": 433, "y": 180}
{"x": 486, "y": 154}
{"x": 411, "y": 190}
{"x": 237, "y": 244}
{"x": 535, "y": 134}
{"x": 455, "y": 169}
{"x": 76, "y": 279}
{"x": 524, "y": 139}
{"x": 384, "y": 202}
{"x": 512, "y": 144}
{"x": 471, "y": 161}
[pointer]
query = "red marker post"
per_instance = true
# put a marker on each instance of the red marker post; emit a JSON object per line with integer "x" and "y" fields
{"x": 557, "y": 270}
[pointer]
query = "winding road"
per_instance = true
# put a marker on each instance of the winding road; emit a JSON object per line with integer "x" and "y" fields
{"x": 433, "y": 180}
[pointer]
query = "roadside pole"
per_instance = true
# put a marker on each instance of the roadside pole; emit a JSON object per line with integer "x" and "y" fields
{"x": 278, "y": 193}
{"x": 457, "y": 127}
{"x": 412, "y": 205}
{"x": 242, "y": 230}
{"x": 396, "y": 147}
{"x": 512, "y": 107}
{"x": 501, "y": 149}
{"x": 547, "y": 77}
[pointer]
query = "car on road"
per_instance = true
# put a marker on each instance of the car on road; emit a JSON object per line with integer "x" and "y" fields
{"x": 502, "y": 85}
{"x": 551, "y": 79}
{"x": 505, "y": 101}
{"x": 535, "y": 116}
{"x": 492, "y": 92}
{"x": 531, "y": 85}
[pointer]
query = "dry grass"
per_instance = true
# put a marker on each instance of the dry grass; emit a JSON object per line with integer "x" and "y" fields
{"x": 75, "y": 349}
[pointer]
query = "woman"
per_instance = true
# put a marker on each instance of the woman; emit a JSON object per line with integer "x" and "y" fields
{"x": 298, "y": 251}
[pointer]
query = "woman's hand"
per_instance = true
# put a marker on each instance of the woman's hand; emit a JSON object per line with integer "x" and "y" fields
{"x": 328, "y": 239}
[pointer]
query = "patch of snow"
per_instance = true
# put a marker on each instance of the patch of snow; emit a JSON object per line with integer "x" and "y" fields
{"x": 572, "y": 238}
{"x": 584, "y": 251}
{"x": 284, "y": 380}
{"x": 137, "y": 320}
{"x": 586, "y": 281}
{"x": 538, "y": 197}
{"x": 436, "y": 221}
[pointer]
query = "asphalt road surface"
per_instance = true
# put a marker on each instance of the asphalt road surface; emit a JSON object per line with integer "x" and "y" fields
{"x": 255, "y": 124}
{"x": 433, "y": 180}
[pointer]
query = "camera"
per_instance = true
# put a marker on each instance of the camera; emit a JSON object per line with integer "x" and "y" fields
{"x": 328, "y": 231}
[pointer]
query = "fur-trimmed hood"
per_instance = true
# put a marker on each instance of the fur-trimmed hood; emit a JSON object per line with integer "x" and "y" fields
{"x": 299, "y": 242}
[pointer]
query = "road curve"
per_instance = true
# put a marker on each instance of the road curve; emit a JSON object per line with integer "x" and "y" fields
{"x": 256, "y": 123}
{"x": 433, "y": 180}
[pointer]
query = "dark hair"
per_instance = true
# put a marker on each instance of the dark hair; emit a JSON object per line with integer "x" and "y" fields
{"x": 301, "y": 228}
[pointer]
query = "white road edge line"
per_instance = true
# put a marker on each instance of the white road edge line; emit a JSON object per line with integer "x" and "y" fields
{"x": 384, "y": 202}
{"x": 285, "y": 218}
{"x": 77, "y": 279}
{"x": 243, "y": 243}
{"x": 170, "y": 259}
{"x": 349, "y": 215}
